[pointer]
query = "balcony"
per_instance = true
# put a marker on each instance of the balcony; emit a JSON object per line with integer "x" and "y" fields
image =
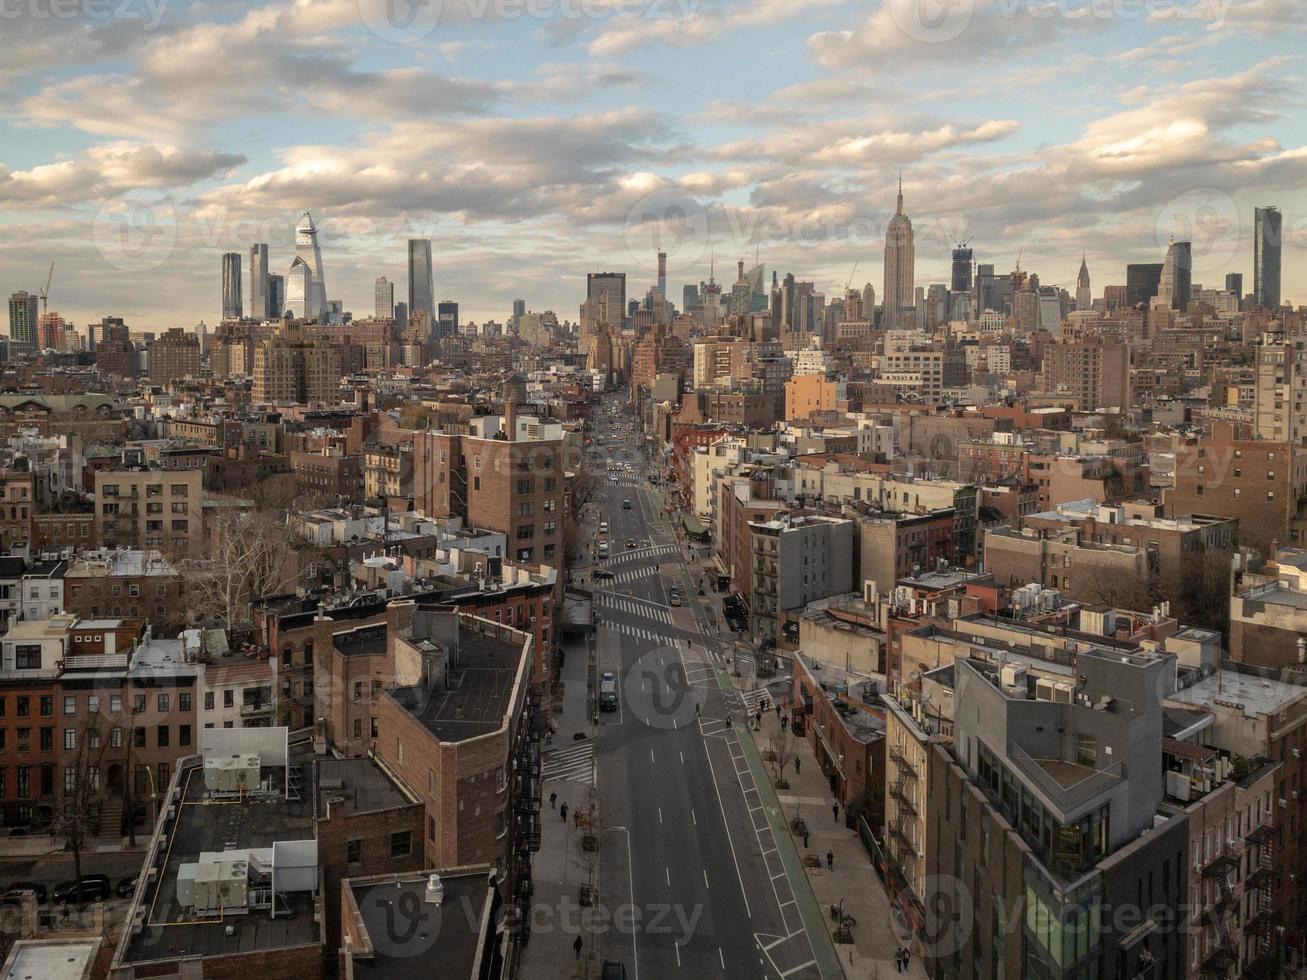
{"x": 1223, "y": 956}
{"x": 1222, "y": 863}
{"x": 903, "y": 844}
{"x": 256, "y": 709}
{"x": 1262, "y": 835}
{"x": 901, "y": 760}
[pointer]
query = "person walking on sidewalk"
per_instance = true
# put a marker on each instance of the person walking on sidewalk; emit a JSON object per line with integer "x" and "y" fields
{"x": 576, "y": 947}
{"x": 835, "y": 812}
{"x": 898, "y": 960}
{"x": 553, "y": 801}
{"x": 562, "y": 811}
{"x": 907, "y": 957}
{"x": 797, "y": 760}
{"x": 830, "y": 860}
{"x": 784, "y": 722}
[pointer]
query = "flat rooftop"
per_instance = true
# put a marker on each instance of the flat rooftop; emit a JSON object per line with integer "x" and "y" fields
{"x": 51, "y": 959}
{"x": 479, "y": 693}
{"x": 358, "y": 785}
{"x": 203, "y": 825}
{"x": 449, "y": 938}
{"x": 365, "y": 641}
{"x": 1254, "y": 694}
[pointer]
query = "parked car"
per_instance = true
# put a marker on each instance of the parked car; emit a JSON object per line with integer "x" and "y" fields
{"x": 608, "y": 693}
{"x": 613, "y": 970}
{"x": 602, "y": 574}
{"x": 90, "y": 888}
{"x": 13, "y": 894}
{"x": 127, "y": 886}
{"x": 674, "y": 596}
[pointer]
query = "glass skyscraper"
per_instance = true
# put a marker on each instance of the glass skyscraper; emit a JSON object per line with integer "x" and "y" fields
{"x": 421, "y": 281}
{"x": 1266, "y": 257}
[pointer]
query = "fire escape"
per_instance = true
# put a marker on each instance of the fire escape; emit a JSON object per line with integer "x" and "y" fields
{"x": 904, "y": 811}
{"x": 1225, "y": 953}
{"x": 526, "y": 817}
{"x": 1260, "y": 927}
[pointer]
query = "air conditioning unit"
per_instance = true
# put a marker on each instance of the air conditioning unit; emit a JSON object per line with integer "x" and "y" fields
{"x": 1283, "y": 803}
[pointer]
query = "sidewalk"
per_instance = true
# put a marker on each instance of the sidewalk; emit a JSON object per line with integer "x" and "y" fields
{"x": 558, "y": 869}
{"x": 853, "y": 882}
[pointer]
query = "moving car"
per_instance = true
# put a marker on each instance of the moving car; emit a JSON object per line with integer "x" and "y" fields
{"x": 626, "y": 505}
{"x": 630, "y": 542}
{"x": 601, "y": 574}
{"x": 608, "y": 692}
{"x": 603, "y": 549}
{"x": 674, "y": 596}
{"x": 603, "y": 527}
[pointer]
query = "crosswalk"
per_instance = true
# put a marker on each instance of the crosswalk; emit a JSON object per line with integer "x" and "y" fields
{"x": 643, "y": 633}
{"x": 636, "y": 607}
{"x": 756, "y": 699}
{"x": 573, "y": 764}
{"x": 634, "y": 574}
{"x": 638, "y": 553}
{"x": 624, "y": 481}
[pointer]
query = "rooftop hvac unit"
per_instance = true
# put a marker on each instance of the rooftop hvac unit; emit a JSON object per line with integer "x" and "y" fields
{"x": 232, "y": 773}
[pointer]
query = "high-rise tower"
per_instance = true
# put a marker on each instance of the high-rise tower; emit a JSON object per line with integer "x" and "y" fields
{"x": 962, "y": 256}
{"x": 1176, "y": 283}
{"x": 231, "y": 286}
{"x": 259, "y": 299}
{"x": 662, "y": 274}
{"x": 421, "y": 281}
{"x": 1084, "y": 293}
{"x": 900, "y": 265}
{"x": 1266, "y": 257}
{"x": 24, "y": 308}
{"x": 384, "y": 299}
{"x": 306, "y": 290}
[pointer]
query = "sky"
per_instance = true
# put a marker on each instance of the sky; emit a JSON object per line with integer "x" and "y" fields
{"x": 534, "y": 141}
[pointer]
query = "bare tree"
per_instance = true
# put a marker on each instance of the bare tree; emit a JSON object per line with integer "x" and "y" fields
{"x": 83, "y": 775}
{"x": 584, "y": 487}
{"x": 782, "y": 752}
{"x": 250, "y": 556}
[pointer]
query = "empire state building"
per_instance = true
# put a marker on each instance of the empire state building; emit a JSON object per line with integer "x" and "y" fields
{"x": 900, "y": 264}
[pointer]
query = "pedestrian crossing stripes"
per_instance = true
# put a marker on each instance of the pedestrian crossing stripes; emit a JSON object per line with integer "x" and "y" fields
{"x": 633, "y": 574}
{"x": 624, "y": 481}
{"x": 573, "y": 764}
{"x": 753, "y": 700}
{"x": 636, "y": 607}
{"x": 641, "y": 633}
{"x": 638, "y": 553}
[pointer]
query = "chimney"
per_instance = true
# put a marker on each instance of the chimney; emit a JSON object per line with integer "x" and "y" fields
{"x": 510, "y": 420}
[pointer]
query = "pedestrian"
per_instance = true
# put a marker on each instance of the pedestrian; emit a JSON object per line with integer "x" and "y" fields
{"x": 785, "y": 721}
{"x": 797, "y": 760}
{"x": 907, "y": 957}
{"x": 576, "y": 947}
{"x": 830, "y": 860}
{"x": 805, "y": 840}
{"x": 835, "y": 812}
{"x": 553, "y": 801}
{"x": 898, "y": 959}
{"x": 778, "y": 711}
{"x": 562, "y": 811}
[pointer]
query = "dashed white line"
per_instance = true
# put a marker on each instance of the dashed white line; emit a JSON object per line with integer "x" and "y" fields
{"x": 705, "y": 877}
{"x": 694, "y": 818}
{"x": 660, "y": 814}
{"x": 721, "y": 957}
{"x": 668, "y": 872}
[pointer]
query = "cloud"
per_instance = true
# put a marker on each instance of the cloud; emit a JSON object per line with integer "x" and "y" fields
{"x": 695, "y": 26}
{"x": 110, "y": 168}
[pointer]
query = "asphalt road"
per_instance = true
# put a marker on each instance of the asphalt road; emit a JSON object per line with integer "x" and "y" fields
{"x": 685, "y": 837}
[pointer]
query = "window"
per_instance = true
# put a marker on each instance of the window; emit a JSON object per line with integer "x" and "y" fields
{"x": 70, "y": 738}
{"x": 229, "y": 698}
{"x": 27, "y": 656}
{"x": 24, "y": 706}
{"x": 208, "y": 700}
{"x": 70, "y": 780}
{"x": 138, "y": 702}
{"x": 401, "y": 844}
{"x": 116, "y": 738}
{"x": 354, "y": 851}
{"x": 115, "y": 704}
{"x": 179, "y": 490}
{"x": 93, "y": 704}
{"x": 47, "y": 739}
{"x": 138, "y": 738}
{"x": 183, "y": 734}
{"x": 24, "y": 737}
{"x": 24, "y": 782}
{"x": 163, "y": 703}
{"x": 184, "y": 701}
{"x": 70, "y": 704}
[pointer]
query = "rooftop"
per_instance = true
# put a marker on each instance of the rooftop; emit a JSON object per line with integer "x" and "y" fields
{"x": 203, "y": 825}
{"x": 51, "y": 959}
{"x": 1253, "y": 694}
{"x": 457, "y": 931}
{"x": 479, "y": 691}
{"x": 359, "y": 785}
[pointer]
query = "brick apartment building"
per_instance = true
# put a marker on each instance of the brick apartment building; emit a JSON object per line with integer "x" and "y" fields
{"x": 150, "y": 508}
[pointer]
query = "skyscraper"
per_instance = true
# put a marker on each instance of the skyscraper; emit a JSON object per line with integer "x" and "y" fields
{"x": 662, "y": 274}
{"x": 607, "y": 290}
{"x": 276, "y": 295}
{"x": 519, "y": 311}
{"x": 446, "y": 318}
{"x": 24, "y": 308}
{"x": 962, "y": 256}
{"x": 1176, "y": 281}
{"x": 385, "y": 299}
{"x": 306, "y": 289}
{"x": 259, "y": 305}
{"x": 1266, "y": 257}
{"x": 1234, "y": 284}
{"x": 900, "y": 266}
{"x": 1084, "y": 293}
{"x": 231, "y": 286}
{"x": 421, "y": 280}
{"x": 1141, "y": 282}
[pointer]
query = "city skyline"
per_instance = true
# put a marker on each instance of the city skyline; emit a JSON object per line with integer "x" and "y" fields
{"x": 1170, "y": 125}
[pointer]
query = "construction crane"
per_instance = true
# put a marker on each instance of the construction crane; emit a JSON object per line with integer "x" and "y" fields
{"x": 45, "y": 293}
{"x": 848, "y": 284}
{"x": 1020, "y": 251}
